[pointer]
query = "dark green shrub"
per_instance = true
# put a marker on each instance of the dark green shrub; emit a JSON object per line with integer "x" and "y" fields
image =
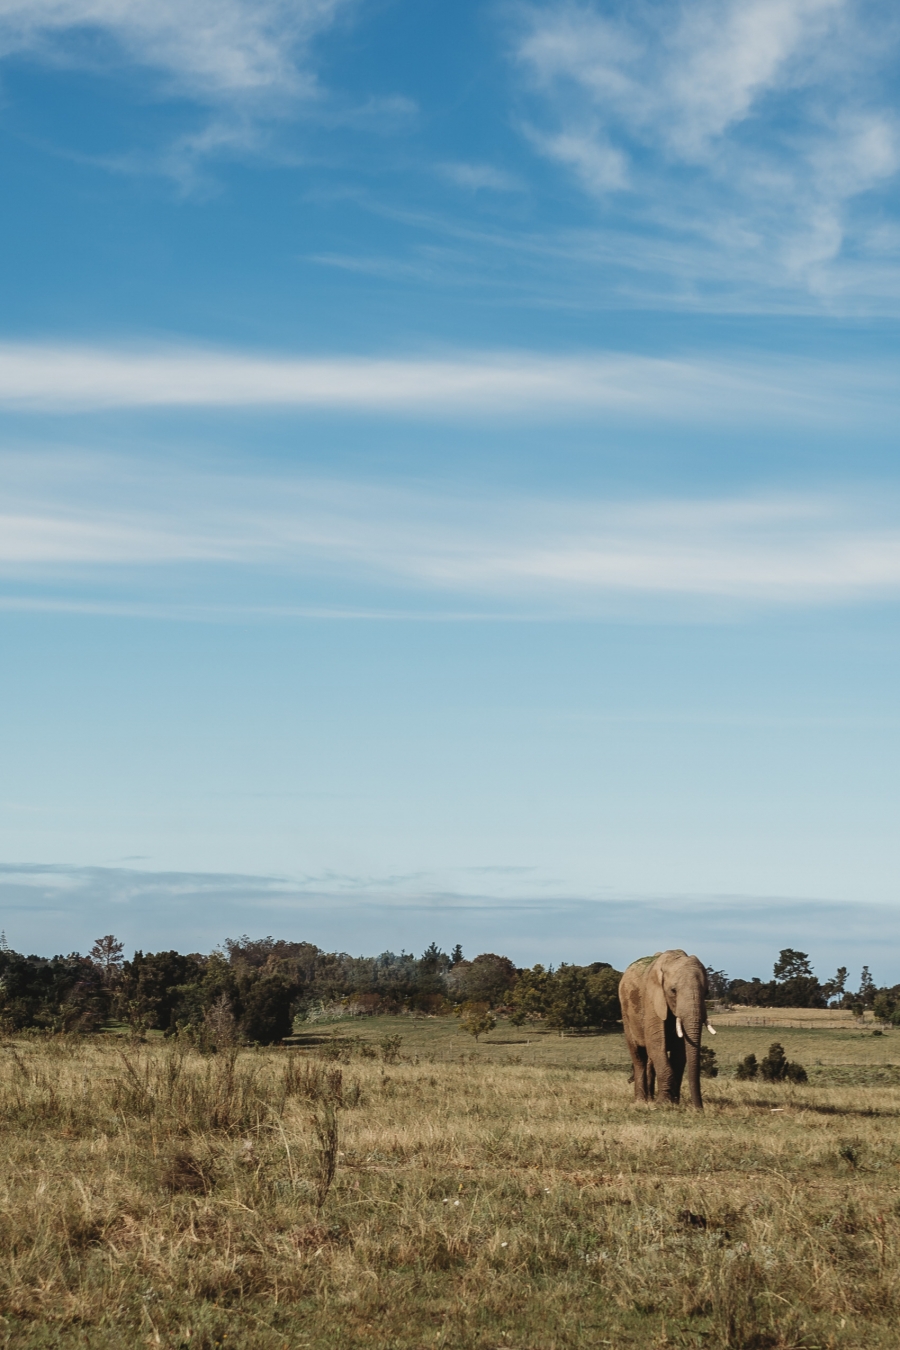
{"x": 267, "y": 1011}
{"x": 708, "y": 1066}
{"x": 777, "y": 1068}
{"x": 748, "y": 1068}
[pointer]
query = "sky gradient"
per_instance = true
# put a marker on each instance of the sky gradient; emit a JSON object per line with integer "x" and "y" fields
{"x": 449, "y": 476}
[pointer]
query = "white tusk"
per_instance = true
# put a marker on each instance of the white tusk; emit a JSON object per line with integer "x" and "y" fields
{"x": 711, "y": 1030}
{"x": 678, "y": 1027}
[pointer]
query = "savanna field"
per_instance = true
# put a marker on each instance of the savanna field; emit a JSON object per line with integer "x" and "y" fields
{"x": 389, "y": 1183}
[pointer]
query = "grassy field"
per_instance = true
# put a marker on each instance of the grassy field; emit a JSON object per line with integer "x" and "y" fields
{"x": 500, "y": 1194}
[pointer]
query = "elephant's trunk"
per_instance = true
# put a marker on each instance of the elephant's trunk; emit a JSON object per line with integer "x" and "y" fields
{"x": 693, "y": 1026}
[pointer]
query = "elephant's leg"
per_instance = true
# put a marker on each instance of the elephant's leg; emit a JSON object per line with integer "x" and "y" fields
{"x": 651, "y": 1081}
{"x": 656, "y": 1048}
{"x": 639, "y": 1060}
{"x": 677, "y": 1060}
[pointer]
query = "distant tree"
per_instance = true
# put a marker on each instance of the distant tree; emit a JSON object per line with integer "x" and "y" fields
{"x": 835, "y": 987}
{"x": 432, "y": 959}
{"x": 750, "y": 993}
{"x": 791, "y": 964}
{"x": 487, "y": 979}
{"x": 64, "y": 993}
{"x": 530, "y": 998}
{"x": 866, "y": 992}
{"x": 108, "y": 954}
{"x": 266, "y": 1012}
{"x": 603, "y": 994}
{"x": 569, "y": 1001}
{"x": 153, "y": 987}
{"x": 570, "y": 997}
{"x": 801, "y": 991}
{"x": 476, "y": 1019}
{"x": 456, "y": 955}
{"x": 718, "y": 983}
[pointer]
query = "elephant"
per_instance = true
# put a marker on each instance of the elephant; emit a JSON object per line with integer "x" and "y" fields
{"x": 663, "y": 1001}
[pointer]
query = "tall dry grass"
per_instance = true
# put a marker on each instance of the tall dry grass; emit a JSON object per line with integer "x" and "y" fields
{"x": 150, "y": 1195}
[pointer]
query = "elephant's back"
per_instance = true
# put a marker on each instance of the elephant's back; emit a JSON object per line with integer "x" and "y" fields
{"x": 640, "y": 965}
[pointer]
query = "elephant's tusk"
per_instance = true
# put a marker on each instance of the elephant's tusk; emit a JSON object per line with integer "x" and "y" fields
{"x": 710, "y": 1029}
{"x": 679, "y": 1028}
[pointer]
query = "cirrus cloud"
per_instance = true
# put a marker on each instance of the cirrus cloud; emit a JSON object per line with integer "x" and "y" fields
{"x": 751, "y": 137}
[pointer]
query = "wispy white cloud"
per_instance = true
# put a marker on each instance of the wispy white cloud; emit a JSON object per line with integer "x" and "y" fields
{"x": 208, "y": 49}
{"x": 555, "y": 555}
{"x": 746, "y": 136}
{"x": 244, "y": 61}
{"x": 475, "y": 177}
{"x": 47, "y": 378}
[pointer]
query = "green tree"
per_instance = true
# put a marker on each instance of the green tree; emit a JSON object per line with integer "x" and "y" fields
{"x": 107, "y": 953}
{"x": 718, "y": 983}
{"x": 866, "y": 992}
{"x": 530, "y": 998}
{"x": 603, "y": 992}
{"x": 836, "y": 986}
{"x": 488, "y": 979}
{"x": 791, "y": 964}
{"x": 476, "y": 1019}
{"x": 569, "y": 1003}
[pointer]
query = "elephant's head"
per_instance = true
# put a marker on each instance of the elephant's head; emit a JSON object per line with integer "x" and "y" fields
{"x": 678, "y": 985}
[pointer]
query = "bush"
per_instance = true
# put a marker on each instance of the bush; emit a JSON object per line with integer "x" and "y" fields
{"x": 708, "y": 1066}
{"x": 747, "y": 1069}
{"x": 476, "y": 1019}
{"x": 776, "y": 1068}
{"x": 267, "y": 1011}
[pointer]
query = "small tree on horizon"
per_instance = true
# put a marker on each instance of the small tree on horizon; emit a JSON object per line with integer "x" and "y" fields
{"x": 836, "y": 986}
{"x": 791, "y": 964}
{"x": 108, "y": 953}
{"x": 866, "y": 992}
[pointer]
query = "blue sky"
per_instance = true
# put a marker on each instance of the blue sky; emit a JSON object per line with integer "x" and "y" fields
{"x": 449, "y": 476}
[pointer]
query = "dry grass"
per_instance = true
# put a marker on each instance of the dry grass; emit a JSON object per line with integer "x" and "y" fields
{"x": 156, "y": 1197}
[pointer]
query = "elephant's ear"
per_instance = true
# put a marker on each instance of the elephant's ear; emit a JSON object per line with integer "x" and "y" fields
{"x": 658, "y": 994}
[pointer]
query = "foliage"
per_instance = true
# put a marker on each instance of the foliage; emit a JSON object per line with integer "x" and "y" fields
{"x": 791, "y": 965}
{"x": 476, "y": 1019}
{"x": 747, "y": 1069}
{"x": 390, "y": 1048}
{"x": 63, "y": 993}
{"x": 708, "y": 1066}
{"x": 835, "y": 987}
{"x": 866, "y": 991}
{"x": 886, "y": 1005}
{"x": 718, "y": 983}
{"x": 776, "y": 1068}
{"x": 488, "y": 979}
{"x": 108, "y": 953}
{"x": 569, "y": 998}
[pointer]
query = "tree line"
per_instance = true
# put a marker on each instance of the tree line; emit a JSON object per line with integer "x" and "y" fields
{"x": 795, "y": 985}
{"x": 260, "y": 990}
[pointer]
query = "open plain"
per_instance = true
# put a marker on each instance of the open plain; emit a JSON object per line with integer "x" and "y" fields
{"x": 352, "y": 1191}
